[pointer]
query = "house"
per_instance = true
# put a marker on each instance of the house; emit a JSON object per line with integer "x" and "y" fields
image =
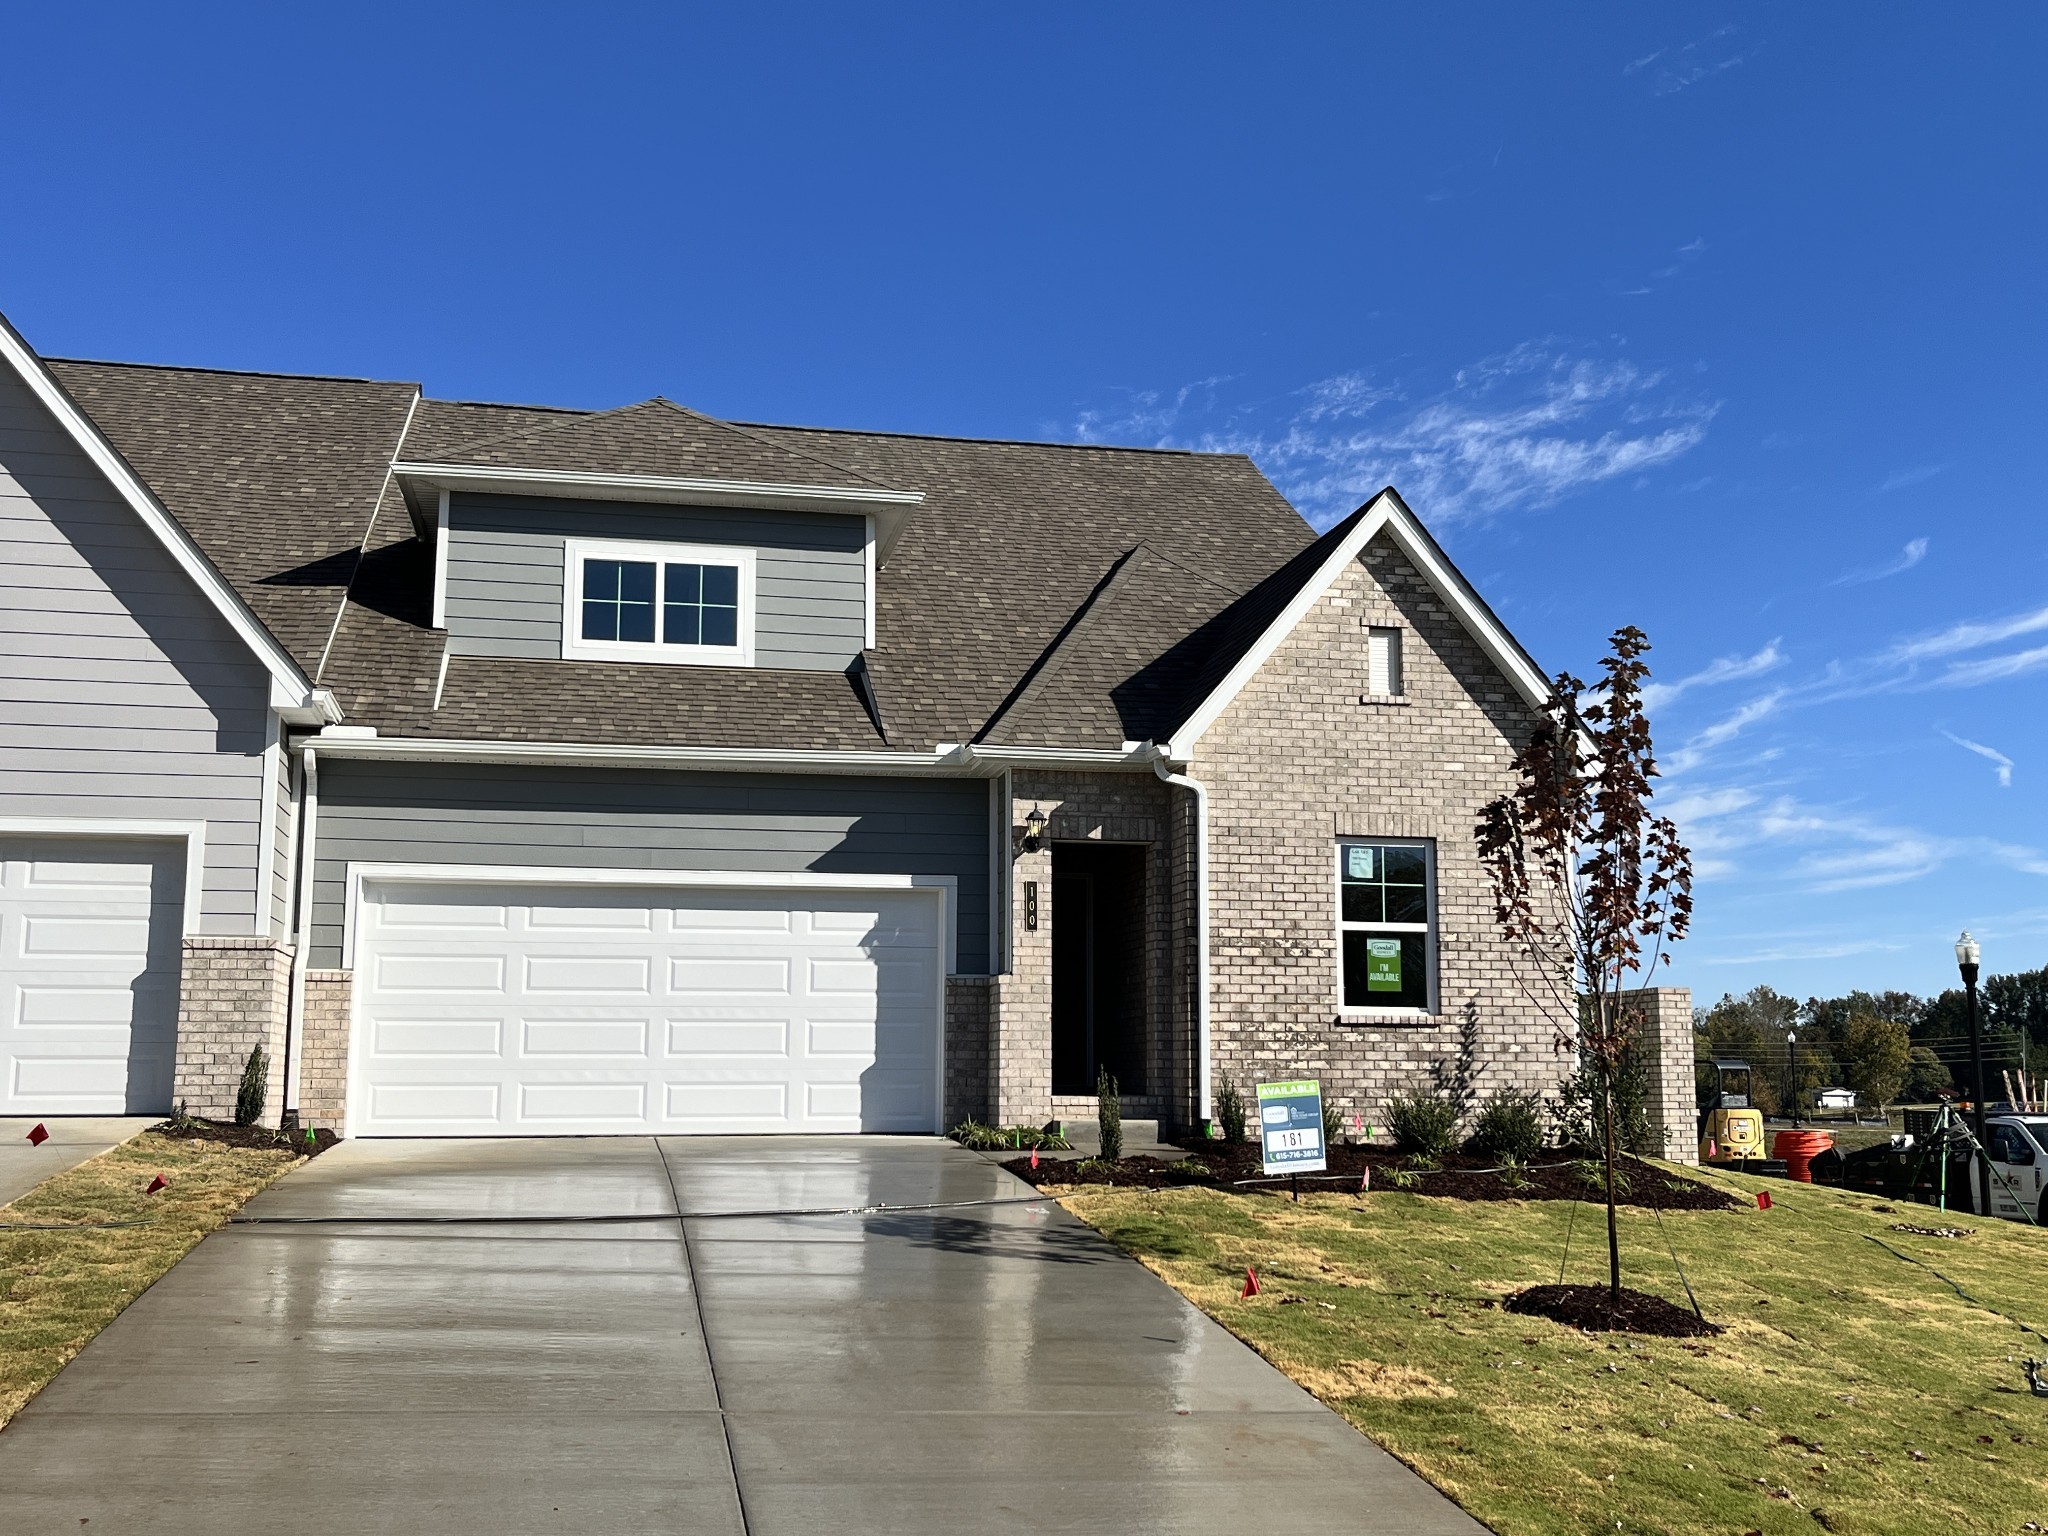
{"x": 1834, "y": 1098}
{"x": 507, "y": 769}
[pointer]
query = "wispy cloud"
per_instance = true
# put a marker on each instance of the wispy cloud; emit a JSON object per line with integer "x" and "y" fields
{"x": 1726, "y": 729}
{"x": 1686, "y": 66}
{"x": 1914, "y": 552}
{"x": 1727, "y": 669}
{"x": 1970, "y": 635}
{"x": 1899, "y": 479}
{"x": 1998, "y": 758}
{"x": 1991, "y": 669}
{"x": 1519, "y": 430}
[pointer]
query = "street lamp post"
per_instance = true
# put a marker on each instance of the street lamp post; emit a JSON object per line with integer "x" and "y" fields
{"x": 1792, "y": 1047}
{"x": 1967, "y": 955}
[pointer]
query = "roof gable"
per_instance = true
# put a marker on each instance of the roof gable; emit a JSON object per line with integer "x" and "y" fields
{"x": 1297, "y": 587}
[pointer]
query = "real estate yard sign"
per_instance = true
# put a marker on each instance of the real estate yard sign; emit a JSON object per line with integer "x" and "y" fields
{"x": 1291, "y": 1126}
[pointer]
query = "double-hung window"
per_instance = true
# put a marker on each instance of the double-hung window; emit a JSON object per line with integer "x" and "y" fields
{"x": 658, "y": 602}
{"x": 1386, "y": 925}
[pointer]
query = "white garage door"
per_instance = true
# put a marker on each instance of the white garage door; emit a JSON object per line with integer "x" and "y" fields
{"x": 89, "y": 957}
{"x": 566, "y": 1010}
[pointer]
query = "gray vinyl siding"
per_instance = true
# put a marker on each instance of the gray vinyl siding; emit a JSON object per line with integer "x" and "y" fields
{"x": 281, "y": 848}
{"x": 435, "y": 813}
{"x": 123, "y": 693}
{"x": 505, "y": 573}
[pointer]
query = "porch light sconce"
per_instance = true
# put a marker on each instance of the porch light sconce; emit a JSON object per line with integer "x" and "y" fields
{"x": 1034, "y": 831}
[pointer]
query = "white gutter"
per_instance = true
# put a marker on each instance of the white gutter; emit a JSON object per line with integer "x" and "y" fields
{"x": 1201, "y": 794}
{"x": 302, "y": 923}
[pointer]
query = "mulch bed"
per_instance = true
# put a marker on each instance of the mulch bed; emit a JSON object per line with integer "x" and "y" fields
{"x": 262, "y": 1137}
{"x": 1593, "y": 1307}
{"x": 1464, "y": 1176}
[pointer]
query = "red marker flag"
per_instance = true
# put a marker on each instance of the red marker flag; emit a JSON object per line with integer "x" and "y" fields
{"x": 157, "y": 1183}
{"x": 39, "y": 1134}
{"x": 1763, "y": 1199}
{"x": 1251, "y": 1286}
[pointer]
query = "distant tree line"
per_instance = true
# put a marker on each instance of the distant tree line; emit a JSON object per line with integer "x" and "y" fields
{"x": 1889, "y": 1047}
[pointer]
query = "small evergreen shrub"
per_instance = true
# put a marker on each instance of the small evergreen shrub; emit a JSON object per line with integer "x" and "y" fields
{"x": 1423, "y": 1124}
{"x": 1510, "y": 1128}
{"x": 1333, "y": 1125}
{"x": 254, "y": 1090}
{"x": 977, "y": 1137}
{"x": 1109, "y": 1116}
{"x": 1230, "y": 1113}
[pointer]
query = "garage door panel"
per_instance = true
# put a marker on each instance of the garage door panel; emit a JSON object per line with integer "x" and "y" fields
{"x": 484, "y": 1038}
{"x": 622, "y": 1038}
{"x": 416, "y": 916}
{"x": 773, "y": 1010}
{"x": 728, "y": 1037}
{"x": 590, "y": 975}
{"x": 90, "y": 937}
{"x": 409, "y": 1108}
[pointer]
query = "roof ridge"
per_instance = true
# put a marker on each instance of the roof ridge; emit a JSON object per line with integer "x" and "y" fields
{"x": 1000, "y": 442}
{"x": 769, "y": 442}
{"x": 245, "y": 373}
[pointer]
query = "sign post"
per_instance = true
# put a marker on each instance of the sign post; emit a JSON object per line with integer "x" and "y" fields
{"x": 1291, "y": 1128}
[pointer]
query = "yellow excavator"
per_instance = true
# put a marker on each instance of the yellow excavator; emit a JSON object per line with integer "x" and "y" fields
{"x": 1731, "y": 1132}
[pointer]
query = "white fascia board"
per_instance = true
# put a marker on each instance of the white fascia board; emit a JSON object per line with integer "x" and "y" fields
{"x": 1137, "y": 758}
{"x": 625, "y": 755}
{"x": 155, "y": 516}
{"x": 1387, "y": 515}
{"x": 191, "y": 833}
{"x": 439, "y": 617}
{"x": 868, "y": 597}
{"x": 945, "y": 887}
{"x": 486, "y": 477}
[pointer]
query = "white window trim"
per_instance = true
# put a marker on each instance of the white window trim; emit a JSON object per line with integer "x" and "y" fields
{"x": 1428, "y": 929}
{"x": 575, "y": 648}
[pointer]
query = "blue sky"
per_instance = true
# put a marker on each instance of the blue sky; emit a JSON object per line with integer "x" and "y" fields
{"x": 1724, "y": 321}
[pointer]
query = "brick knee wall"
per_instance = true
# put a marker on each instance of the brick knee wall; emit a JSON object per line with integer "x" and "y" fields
{"x": 323, "y": 1049}
{"x": 970, "y": 1015}
{"x": 233, "y": 995}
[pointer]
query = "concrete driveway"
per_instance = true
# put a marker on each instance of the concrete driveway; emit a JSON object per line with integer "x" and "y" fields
{"x": 454, "y": 1344}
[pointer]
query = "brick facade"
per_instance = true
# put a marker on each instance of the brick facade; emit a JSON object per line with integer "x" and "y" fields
{"x": 323, "y": 1048}
{"x": 1299, "y": 759}
{"x": 970, "y": 1014}
{"x": 1665, "y": 1039}
{"x": 233, "y": 995}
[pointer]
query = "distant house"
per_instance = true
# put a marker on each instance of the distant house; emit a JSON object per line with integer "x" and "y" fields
{"x": 1835, "y": 1098}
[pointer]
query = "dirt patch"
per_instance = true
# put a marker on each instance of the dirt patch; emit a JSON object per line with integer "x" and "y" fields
{"x": 260, "y": 1138}
{"x": 1367, "y": 1378}
{"x": 1593, "y": 1307}
{"x": 1556, "y": 1175}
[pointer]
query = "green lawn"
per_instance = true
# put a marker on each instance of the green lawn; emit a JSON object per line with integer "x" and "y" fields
{"x": 1853, "y": 1392}
{"x": 60, "y": 1288}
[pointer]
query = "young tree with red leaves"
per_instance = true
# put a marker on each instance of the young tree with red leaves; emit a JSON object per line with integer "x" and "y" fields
{"x": 1589, "y": 886}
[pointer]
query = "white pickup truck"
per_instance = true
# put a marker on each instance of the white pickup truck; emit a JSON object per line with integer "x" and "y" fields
{"x": 2018, "y": 1148}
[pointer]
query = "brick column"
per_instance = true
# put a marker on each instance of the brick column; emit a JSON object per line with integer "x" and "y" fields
{"x": 1666, "y": 1043}
{"x": 1020, "y": 1055}
{"x": 970, "y": 1010}
{"x": 323, "y": 1049}
{"x": 232, "y": 997}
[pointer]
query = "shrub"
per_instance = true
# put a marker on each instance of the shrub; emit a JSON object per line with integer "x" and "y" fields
{"x": 1423, "y": 1124}
{"x": 1579, "y": 1119}
{"x": 977, "y": 1137}
{"x": 1333, "y": 1125}
{"x": 1510, "y": 1128}
{"x": 254, "y": 1090}
{"x": 1109, "y": 1116}
{"x": 1230, "y": 1113}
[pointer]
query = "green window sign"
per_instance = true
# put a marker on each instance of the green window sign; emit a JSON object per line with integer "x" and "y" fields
{"x": 1382, "y": 965}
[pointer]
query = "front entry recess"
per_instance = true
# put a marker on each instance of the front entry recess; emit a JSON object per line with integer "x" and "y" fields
{"x": 1098, "y": 966}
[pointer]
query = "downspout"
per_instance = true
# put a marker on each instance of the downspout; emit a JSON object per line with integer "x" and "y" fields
{"x": 1201, "y": 794}
{"x": 295, "y": 1015}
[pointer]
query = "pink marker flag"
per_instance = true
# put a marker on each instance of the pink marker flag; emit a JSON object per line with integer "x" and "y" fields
{"x": 1365, "y": 1181}
{"x": 1034, "y": 1157}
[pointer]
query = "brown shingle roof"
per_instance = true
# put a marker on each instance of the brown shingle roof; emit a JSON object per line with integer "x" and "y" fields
{"x": 1042, "y": 594}
{"x": 274, "y": 476}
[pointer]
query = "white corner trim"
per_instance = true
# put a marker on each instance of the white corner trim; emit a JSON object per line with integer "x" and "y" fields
{"x": 191, "y": 833}
{"x": 1385, "y": 514}
{"x": 868, "y": 567}
{"x": 266, "y": 834}
{"x": 440, "y": 619}
{"x": 574, "y": 648}
{"x": 155, "y": 516}
{"x": 945, "y": 887}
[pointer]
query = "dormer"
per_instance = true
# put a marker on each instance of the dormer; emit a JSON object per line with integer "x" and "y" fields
{"x": 652, "y": 534}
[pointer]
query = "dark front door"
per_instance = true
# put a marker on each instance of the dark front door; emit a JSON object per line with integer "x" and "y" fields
{"x": 1098, "y": 970}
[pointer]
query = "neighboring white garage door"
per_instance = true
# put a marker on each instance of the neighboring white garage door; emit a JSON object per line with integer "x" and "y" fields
{"x": 589, "y": 1010}
{"x": 89, "y": 958}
